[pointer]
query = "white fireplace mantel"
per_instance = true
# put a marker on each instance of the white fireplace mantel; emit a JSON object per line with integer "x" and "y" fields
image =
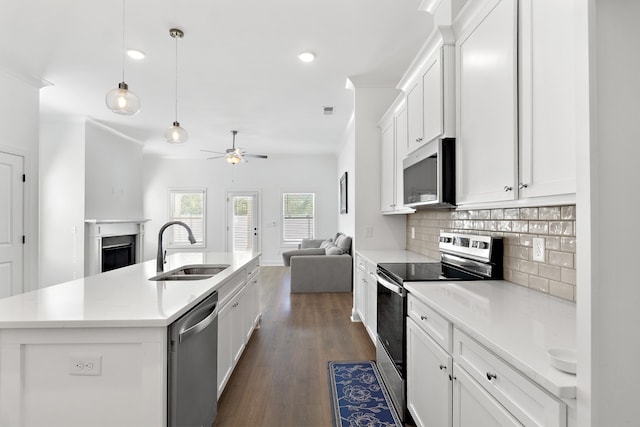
{"x": 96, "y": 229}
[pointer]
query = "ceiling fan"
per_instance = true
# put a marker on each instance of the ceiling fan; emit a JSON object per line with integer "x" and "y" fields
{"x": 234, "y": 155}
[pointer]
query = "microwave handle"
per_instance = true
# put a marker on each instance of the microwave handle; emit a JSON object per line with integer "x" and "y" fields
{"x": 391, "y": 286}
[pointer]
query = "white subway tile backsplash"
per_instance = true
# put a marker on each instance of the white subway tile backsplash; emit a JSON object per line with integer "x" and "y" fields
{"x": 549, "y": 213}
{"x": 517, "y": 226}
{"x": 538, "y": 227}
{"x": 528, "y": 213}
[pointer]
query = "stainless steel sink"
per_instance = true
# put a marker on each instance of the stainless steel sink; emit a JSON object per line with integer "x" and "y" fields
{"x": 192, "y": 272}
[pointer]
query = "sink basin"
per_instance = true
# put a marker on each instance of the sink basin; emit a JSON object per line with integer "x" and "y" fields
{"x": 191, "y": 272}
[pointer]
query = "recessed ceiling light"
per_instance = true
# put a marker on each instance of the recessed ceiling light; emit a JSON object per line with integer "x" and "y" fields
{"x": 307, "y": 56}
{"x": 135, "y": 54}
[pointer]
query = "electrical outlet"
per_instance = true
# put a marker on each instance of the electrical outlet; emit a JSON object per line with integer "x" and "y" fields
{"x": 413, "y": 232}
{"x": 85, "y": 365}
{"x": 369, "y": 232}
{"x": 538, "y": 249}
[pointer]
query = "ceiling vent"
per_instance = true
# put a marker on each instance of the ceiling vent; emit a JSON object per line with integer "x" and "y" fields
{"x": 327, "y": 111}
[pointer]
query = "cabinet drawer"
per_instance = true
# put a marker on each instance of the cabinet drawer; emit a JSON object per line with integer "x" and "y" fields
{"x": 231, "y": 287}
{"x": 529, "y": 403}
{"x": 431, "y": 322}
{"x": 253, "y": 266}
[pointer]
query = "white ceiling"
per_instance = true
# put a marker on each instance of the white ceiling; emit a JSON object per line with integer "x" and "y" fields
{"x": 238, "y": 66}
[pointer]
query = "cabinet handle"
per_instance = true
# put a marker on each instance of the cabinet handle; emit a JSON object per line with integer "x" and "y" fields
{"x": 491, "y": 376}
{"x": 452, "y": 378}
{"x": 423, "y": 317}
{"x": 522, "y": 185}
{"x": 418, "y": 139}
{"x": 443, "y": 367}
{"x": 508, "y": 188}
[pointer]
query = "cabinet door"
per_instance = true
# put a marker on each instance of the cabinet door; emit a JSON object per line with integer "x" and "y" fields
{"x": 225, "y": 357}
{"x": 401, "y": 151}
{"x": 238, "y": 322}
{"x": 415, "y": 116}
{"x": 549, "y": 89}
{"x": 432, "y": 87}
{"x": 387, "y": 182}
{"x": 486, "y": 66}
{"x": 429, "y": 389}
{"x": 361, "y": 295}
{"x": 372, "y": 301}
{"x": 252, "y": 306}
{"x": 474, "y": 407}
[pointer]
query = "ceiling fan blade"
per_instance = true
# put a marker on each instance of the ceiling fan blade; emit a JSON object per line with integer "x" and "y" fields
{"x": 214, "y": 152}
{"x": 217, "y": 157}
{"x": 257, "y": 156}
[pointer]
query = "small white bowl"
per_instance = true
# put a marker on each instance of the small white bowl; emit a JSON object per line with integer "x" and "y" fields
{"x": 563, "y": 359}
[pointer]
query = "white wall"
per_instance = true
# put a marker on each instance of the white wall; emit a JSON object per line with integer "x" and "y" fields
{"x": 271, "y": 177}
{"x": 373, "y": 230}
{"x": 347, "y": 163}
{"x": 19, "y": 107}
{"x": 87, "y": 171}
{"x": 608, "y": 204}
{"x": 113, "y": 174}
{"x": 62, "y": 152}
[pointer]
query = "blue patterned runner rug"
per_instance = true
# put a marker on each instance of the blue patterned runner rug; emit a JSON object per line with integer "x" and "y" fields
{"x": 358, "y": 396}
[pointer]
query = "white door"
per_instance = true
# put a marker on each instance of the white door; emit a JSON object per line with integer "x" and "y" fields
{"x": 11, "y": 224}
{"x": 243, "y": 219}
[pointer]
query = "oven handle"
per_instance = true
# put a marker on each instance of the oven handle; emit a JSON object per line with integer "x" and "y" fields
{"x": 391, "y": 286}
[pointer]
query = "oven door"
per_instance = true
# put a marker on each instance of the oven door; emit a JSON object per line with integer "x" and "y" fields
{"x": 390, "y": 348}
{"x": 391, "y": 319}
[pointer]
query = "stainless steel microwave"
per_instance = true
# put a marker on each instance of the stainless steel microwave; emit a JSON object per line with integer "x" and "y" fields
{"x": 430, "y": 175}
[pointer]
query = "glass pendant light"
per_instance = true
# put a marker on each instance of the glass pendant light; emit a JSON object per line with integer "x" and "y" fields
{"x": 121, "y": 100}
{"x": 176, "y": 134}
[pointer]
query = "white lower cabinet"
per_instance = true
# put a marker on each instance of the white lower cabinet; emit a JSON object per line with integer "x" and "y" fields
{"x": 366, "y": 295}
{"x": 371, "y": 284}
{"x": 238, "y": 316}
{"x": 474, "y": 407}
{"x": 461, "y": 383}
{"x": 428, "y": 383}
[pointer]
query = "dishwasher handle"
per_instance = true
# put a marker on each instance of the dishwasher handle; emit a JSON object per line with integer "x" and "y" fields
{"x": 186, "y": 332}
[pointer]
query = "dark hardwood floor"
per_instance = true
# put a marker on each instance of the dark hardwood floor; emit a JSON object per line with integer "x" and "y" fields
{"x": 281, "y": 379}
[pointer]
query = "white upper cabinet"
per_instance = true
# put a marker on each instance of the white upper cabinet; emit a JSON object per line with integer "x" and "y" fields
{"x": 387, "y": 182}
{"x": 393, "y": 134}
{"x": 414, "y": 115}
{"x": 519, "y": 86}
{"x": 548, "y": 93}
{"x": 486, "y": 64}
{"x": 430, "y": 88}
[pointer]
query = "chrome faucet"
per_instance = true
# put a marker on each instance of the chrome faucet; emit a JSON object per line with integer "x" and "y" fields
{"x": 160, "y": 259}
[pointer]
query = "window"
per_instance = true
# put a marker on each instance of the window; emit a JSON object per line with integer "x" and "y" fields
{"x": 188, "y": 206}
{"x": 298, "y": 217}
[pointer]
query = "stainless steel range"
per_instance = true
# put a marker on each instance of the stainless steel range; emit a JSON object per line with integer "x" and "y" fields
{"x": 462, "y": 257}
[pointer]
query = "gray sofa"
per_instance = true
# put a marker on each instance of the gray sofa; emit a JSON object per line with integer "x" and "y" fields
{"x": 321, "y": 265}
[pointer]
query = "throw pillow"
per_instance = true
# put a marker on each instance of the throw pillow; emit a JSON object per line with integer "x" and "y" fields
{"x": 333, "y": 250}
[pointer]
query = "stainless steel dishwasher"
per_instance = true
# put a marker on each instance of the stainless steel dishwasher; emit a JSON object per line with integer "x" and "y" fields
{"x": 192, "y": 367}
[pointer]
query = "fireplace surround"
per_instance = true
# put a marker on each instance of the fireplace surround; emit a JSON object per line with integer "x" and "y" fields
{"x": 112, "y": 244}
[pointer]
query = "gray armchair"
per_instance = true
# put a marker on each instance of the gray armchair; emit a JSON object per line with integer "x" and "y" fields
{"x": 321, "y": 265}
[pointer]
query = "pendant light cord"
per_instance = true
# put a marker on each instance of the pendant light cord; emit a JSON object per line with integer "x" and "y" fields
{"x": 123, "y": 26}
{"x": 176, "y": 106}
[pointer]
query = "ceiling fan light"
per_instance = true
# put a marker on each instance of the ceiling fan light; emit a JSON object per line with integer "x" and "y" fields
{"x": 176, "y": 134}
{"x": 234, "y": 159}
{"x": 122, "y": 101}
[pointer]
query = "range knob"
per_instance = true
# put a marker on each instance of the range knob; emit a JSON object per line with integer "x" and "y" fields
{"x": 480, "y": 245}
{"x": 444, "y": 239}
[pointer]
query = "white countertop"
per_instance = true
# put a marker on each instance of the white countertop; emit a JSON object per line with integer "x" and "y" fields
{"x": 119, "y": 298}
{"x": 516, "y": 323}
{"x": 393, "y": 255}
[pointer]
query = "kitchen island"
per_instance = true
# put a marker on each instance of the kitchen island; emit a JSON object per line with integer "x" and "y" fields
{"x": 117, "y": 320}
